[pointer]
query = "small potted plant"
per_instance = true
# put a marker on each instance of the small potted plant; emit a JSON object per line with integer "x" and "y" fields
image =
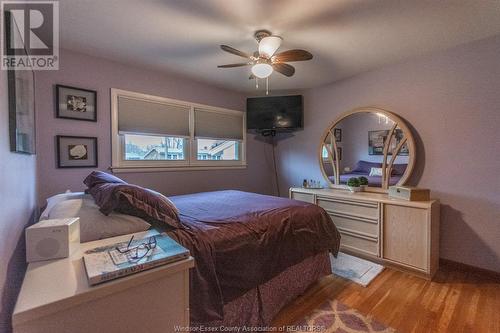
{"x": 353, "y": 184}
{"x": 363, "y": 182}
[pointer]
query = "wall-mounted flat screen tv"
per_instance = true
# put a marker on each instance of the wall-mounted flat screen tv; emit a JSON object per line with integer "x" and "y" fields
{"x": 278, "y": 113}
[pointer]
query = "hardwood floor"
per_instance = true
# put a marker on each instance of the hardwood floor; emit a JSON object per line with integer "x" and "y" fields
{"x": 455, "y": 301}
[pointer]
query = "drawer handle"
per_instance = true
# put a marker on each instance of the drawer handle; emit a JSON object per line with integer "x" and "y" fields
{"x": 358, "y": 234}
{"x": 356, "y": 249}
{"x": 361, "y": 218}
{"x": 349, "y": 202}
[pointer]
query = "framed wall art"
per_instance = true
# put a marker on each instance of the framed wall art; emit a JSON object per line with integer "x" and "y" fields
{"x": 338, "y": 134}
{"x": 376, "y": 142}
{"x": 76, "y": 151}
{"x": 21, "y": 92}
{"x": 76, "y": 103}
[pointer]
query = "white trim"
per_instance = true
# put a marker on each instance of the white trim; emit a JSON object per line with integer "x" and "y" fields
{"x": 119, "y": 164}
{"x": 168, "y": 169}
{"x": 115, "y": 137}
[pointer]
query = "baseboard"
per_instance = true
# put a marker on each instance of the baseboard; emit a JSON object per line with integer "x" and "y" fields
{"x": 469, "y": 268}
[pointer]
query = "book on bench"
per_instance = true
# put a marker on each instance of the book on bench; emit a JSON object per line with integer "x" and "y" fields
{"x": 121, "y": 259}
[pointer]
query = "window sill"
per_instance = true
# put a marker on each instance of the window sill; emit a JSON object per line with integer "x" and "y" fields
{"x": 174, "y": 168}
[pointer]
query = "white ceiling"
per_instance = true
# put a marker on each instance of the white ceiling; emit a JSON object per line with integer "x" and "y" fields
{"x": 346, "y": 37}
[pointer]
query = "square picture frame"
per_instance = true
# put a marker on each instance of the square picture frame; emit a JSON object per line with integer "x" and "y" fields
{"x": 376, "y": 142}
{"x": 338, "y": 134}
{"x": 76, "y": 151}
{"x": 76, "y": 103}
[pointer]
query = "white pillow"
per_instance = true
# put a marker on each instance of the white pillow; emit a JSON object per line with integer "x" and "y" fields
{"x": 94, "y": 224}
{"x": 375, "y": 172}
{"x": 53, "y": 200}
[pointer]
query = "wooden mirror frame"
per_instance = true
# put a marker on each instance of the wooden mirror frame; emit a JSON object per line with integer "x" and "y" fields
{"x": 386, "y": 165}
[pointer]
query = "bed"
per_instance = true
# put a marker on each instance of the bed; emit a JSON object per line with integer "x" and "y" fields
{"x": 375, "y": 181}
{"x": 362, "y": 169}
{"x": 253, "y": 253}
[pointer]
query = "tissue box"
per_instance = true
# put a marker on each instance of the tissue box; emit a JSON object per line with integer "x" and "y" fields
{"x": 409, "y": 193}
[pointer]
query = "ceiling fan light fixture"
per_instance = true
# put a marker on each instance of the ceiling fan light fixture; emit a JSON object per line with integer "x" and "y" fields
{"x": 269, "y": 45}
{"x": 262, "y": 70}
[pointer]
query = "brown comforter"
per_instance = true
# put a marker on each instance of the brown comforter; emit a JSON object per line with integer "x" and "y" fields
{"x": 240, "y": 240}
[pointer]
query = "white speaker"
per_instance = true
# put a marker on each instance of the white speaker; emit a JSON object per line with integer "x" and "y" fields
{"x": 51, "y": 239}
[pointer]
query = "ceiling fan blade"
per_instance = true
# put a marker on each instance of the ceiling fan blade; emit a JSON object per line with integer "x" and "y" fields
{"x": 234, "y": 51}
{"x": 235, "y": 65}
{"x": 284, "y": 69}
{"x": 292, "y": 55}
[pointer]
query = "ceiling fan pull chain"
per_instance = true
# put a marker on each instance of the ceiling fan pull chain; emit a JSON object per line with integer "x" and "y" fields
{"x": 256, "y": 83}
{"x": 267, "y": 85}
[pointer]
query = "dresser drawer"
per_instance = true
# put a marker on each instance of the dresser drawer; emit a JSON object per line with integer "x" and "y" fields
{"x": 359, "y": 243}
{"x": 355, "y": 224}
{"x": 302, "y": 197}
{"x": 346, "y": 207}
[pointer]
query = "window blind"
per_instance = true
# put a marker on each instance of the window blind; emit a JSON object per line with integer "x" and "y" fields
{"x": 210, "y": 124}
{"x": 150, "y": 117}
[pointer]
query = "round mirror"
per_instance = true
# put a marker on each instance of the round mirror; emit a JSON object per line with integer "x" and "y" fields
{"x": 367, "y": 142}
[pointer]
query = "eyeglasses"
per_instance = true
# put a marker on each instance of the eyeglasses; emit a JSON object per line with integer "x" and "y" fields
{"x": 136, "y": 253}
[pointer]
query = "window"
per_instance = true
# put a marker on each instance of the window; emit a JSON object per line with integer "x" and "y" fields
{"x": 144, "y": 147}
{"x": 156, "y": 132}
{"x": 217, "y": 150}
{"x": 324, "y": 153}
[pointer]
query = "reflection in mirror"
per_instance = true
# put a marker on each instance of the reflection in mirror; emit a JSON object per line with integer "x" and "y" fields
{"x": 367, "y": 144}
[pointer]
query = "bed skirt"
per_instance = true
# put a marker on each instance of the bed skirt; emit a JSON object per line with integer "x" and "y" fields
{"x": 258, "y": 306}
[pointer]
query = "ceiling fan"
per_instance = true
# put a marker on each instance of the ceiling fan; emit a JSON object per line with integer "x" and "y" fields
{"x": 265, "y": 61}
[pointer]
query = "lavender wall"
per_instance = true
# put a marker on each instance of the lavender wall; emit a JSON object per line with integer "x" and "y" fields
{"x": 99, "y": 74}
{"x": 17, "y": 207}
{"x": 452, "y": 99}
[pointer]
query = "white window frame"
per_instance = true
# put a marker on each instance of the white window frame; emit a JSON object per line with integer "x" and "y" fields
{"x": 119, "y": 164}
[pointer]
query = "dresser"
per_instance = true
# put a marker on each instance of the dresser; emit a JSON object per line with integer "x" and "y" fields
{"x": 56, "y": 297}
{"x": 394, "y": 232}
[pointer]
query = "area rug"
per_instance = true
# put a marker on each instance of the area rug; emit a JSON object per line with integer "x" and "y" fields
{"x": 334, "y": 316}
{"x": 355, "y": 269}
